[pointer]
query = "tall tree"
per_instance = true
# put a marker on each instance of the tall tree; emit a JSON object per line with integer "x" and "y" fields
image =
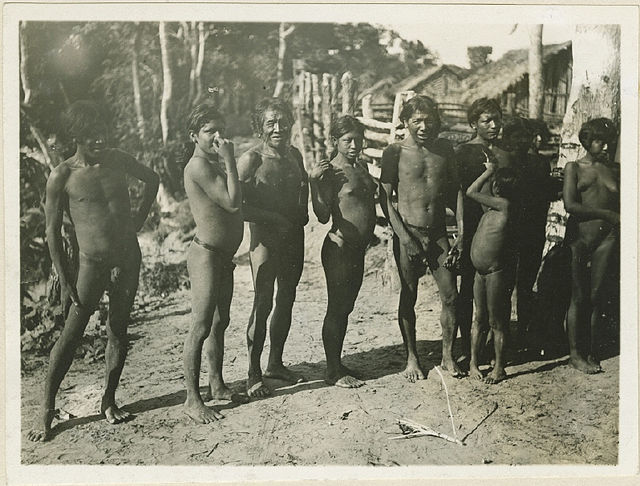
{"x": 595, "y": 92}
{"x": 536, "y": 75}
{"x": 284, "y": 31}
{"x": 135, "y": 77}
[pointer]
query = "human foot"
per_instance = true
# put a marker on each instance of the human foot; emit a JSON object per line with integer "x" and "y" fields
{"x": 114, "y": 414}
{"x": 594, "y": 362}
{"x": 200, "y": 413}
{"x": 451, "y": 366}
{"x": 475, "y": 373}
{"x": 413, "y": 371}
{"x": 43, "y": 434}
{"x": 583, "y": 365}
{"x": 496, "y": 376}
{"x": 256, "y": 388}
{"x": 223, "y": 392}
{"x": 280, "y": 372}
{"x": 344, "y": 379}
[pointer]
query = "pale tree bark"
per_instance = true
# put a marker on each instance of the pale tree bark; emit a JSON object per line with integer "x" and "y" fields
{"x": 165, "y": 199}
{"x": 203, "y": 35}
{"x": 135, "y": 76}
{"x": 595, "y": 92}
{"x": 536, "y": 77}
{"x": 284, "y": 31}
{"x": 24, "y": 63}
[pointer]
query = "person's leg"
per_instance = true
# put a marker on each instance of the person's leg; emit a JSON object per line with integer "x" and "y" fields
{"x": 499, "y": 311}
{"x": 446, "y": 281}
{"x": 205, "y": 285}
{"x": 529, "y": 258}
{"x": 579, "y": 310}
{"x": 601, "y": 261}
{"x": 343, "y": 268}
{"x": 479, "y": 327}
{"x": 263, "y": 269}
{"x": 465, "y": 299}
{"x": 91, "y": 283}
{"x": 214, "y": 345}
{"x": 122, "y": 293}
{"x": 289, "y": 270}
{"x": 409, "y": 276}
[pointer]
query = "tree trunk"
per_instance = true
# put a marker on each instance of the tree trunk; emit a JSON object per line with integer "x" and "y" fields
{"x": 347, "y": 93}
{"x": 283, "y": 33}
{"x": 24, "y": 60}
{"x": 595, "y": 92}
{"x": 165, "y": 198}
{"x": 202, "y": 40}
{"x": 135, "y": 76}
{"x": 536, "y": 77}
{"x": 189, "y": 36}
{"x": 167, "y": 83}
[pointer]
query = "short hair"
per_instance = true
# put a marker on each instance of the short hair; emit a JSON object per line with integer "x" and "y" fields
{"x": 81, "y": 118}
{"x": 480, "y": 106}
{"x": 346, "y": 124}
{"x": 275, "y": 104}
{"x": 597, "y": 129}
{"x": 505, "y": 180}
{"x": 420, "y": 103}
{"x": 516, "y": 127}
{"x": 201, "y": 115}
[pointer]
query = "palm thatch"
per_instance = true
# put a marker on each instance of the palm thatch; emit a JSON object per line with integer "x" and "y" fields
{"x": 412, "y": 82}
{"x": 497, "y": 77}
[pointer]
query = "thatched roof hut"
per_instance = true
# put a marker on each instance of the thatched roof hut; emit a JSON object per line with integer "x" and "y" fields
{"x": 498, "y": 77}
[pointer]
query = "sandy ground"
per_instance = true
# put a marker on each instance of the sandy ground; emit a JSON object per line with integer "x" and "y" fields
{"x": 545, "y": 413}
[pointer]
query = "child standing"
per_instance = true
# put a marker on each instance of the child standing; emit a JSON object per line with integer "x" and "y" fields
{"x": 492, "y": 257}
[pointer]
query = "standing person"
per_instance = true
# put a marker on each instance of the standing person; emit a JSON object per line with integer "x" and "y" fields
{"x": 213, "y": 188}
{"x": 276, "y": 192}
{"x": 91, "y": 186}
{"x": 591, "y": 196}
{"x": 420, "y": 170}
{"x": 344, "y": 191}
{"x": 485, "y": 117}
{"x": 493, "y": 256}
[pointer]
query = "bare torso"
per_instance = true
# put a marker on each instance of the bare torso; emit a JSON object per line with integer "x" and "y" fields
{"x": 99, "y": 207}
{"x": 215, "y": 226}
{"x": 353, "y": 210}
{"x": 422, "y": 182}
{"x": 489, "y": 248}
{"x": 597, "y": 187}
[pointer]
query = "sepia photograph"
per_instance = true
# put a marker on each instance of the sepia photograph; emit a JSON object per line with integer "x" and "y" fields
{"x": 320, "y": 241}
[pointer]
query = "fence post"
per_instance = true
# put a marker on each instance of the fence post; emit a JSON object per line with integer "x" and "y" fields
{"x": 401, "y": 97}
{"x": 347, "y": 93}
{"x": 326, "y": 113}
{"x": 316, "y": 101}
{"x": 367, "y": 111}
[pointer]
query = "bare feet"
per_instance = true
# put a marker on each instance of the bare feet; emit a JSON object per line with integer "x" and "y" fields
{"x": 43, "y": 434}
{"x": 115, "y": 415}
{"x": 451, "y": 366}
{"x": 344, "y": 379}
{"x": 413, "y": 371}
{"x": 256, "y": 388}
{"x": 475, "y": 373}
{"x": 280, "y": 372}
{"x": 496, "y": 376}
{"x": 583, "y": 365}
{"x": 200, "y": 413}
{"x": 594, "y": 362}
{"x": 223, "y": 392}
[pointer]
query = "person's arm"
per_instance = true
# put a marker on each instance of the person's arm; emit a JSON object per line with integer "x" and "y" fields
{"x": 247, "y": 165}
{"x": 54, "y": 208}
{"x": 151, "y": 183}
{"x": 320, "y": 196}
{"x": 454, "y": 182}
{"x": 212, "y": 182}
{"x": 388, "y": 181}
{"x": 234, "y": 192}
{"x": 493, "y": 202}
{"x": 574, "y": 206}
{"x": 303, "y": 195}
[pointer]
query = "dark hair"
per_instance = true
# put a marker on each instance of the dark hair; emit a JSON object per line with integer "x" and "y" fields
{"x": 82, "y": 117}
{"x": 201, "y": 115}
{"x": 346, "y": 124}
{"x": 505, "y": 180}
{"x": 480, "y": 106}
{"x": 420, "y": 103}
{"x": 342, "y": 125}
{"x": 598, "y": 129}
{"x": 516, "y": 127}
{"x": 275, "y": 104}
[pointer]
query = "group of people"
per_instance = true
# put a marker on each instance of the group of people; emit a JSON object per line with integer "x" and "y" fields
{"x": 497, "y": 185}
